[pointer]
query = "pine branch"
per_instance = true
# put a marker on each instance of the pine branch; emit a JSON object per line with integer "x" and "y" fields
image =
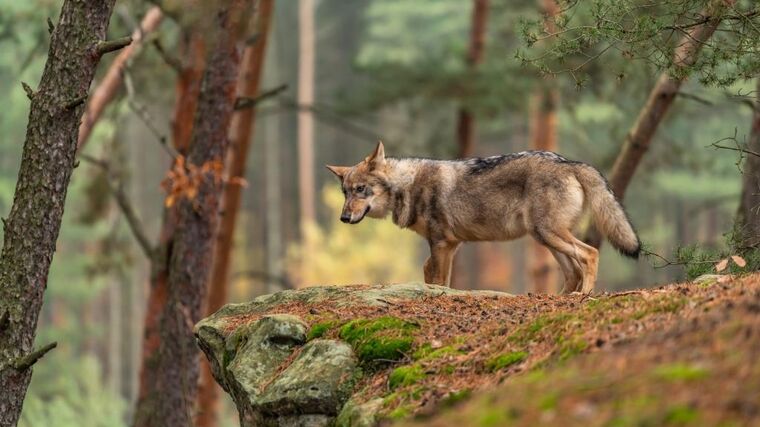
{"x": 25, "y": 362}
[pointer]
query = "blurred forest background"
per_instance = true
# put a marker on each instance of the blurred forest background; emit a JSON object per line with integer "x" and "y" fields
{"x": 341, "y": 75}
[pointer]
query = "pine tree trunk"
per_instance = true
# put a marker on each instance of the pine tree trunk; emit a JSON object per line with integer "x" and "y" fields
{"x": 465, "y": 120}
{"x": 187, "y": 90}
{"x": 173, "y": 373}
{"x": 543, "y": 273}
{"x": 660, "y": 99}
{"x": 106, "y": 90}
{"x": 241, "y": 132}
{"x": 32, "y": 227}
{"x": 749, "y": 205}
{"x": 306, "y": 47}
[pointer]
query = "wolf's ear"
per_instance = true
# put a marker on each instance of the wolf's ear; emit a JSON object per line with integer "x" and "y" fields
{"x": 376, "y": 160}
{"x": 339, "y": 171}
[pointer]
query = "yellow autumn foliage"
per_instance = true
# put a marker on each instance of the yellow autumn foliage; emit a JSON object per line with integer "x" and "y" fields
{"x": 371, "y": 252}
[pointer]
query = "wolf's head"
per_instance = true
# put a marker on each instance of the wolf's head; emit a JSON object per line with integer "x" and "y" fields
{"x": 365, "y": 186}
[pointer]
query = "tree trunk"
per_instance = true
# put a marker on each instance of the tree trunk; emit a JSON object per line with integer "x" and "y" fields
{"x": 273, "y": 188}
{"x": 465, "y": 121}
{"x": 187, "y": 90}
{"x": 32, "y": 227}
{"x": 241, "y": 131}
{"x": 106, "y": 90}
{"x": 660, "y": 99}
{"x": 543, "y": 273}
{"x": 749, "y": 206}
{"x": 306, "y": 47}
{"x": 174, "y": 370}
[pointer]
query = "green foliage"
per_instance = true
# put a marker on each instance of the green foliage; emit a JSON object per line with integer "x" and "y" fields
{"x": 376, "y": 340}
{"x": 697, "y": 260}
{"x": 506, "y": 360}
{"x": 627, "y": 31}
{"x": 405, "y": 375}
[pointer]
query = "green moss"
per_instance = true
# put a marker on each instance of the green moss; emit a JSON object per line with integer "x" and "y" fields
{"x": 549, "y": 402}
{"x": 680, "y": 372}
{"x": 382, "y": 339}
{"x": 572, "y": 347}
{"x": 681, "y": 415}
{"x": 404, "y": 376}
{"x": 551, "y": 324}
{"x": 318, "y": 330}
{"x": 426, "y": 352}
{"x": 455, "y": 397}
{"x": 506, "y": 360}
{"x": 400, "y": 412}
{"x": 493, "y": 417}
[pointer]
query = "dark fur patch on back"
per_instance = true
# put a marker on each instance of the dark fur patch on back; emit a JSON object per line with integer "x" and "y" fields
{"x": 480, "y": 165}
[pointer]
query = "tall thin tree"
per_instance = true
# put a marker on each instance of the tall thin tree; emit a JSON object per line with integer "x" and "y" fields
{"x": 240, "y": 135}
{"x": 543, "y": 129}
{"x": 31, "y": 230}
{"x": 749, "y": 204}
{"x": 306, "y": 48}
{"x": 173, "y": 373}
{"x": 465, "y": 119}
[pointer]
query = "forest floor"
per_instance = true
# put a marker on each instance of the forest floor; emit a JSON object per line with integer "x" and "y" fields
{"x": 681, "y": 354}
{"x": 684, "y": 354}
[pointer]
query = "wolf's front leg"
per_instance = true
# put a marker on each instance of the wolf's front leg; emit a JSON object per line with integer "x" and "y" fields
{"x": 438, "y": 267}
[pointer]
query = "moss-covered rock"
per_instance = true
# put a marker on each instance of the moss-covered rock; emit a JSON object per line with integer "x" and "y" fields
{"x": 288, "y": 370}
{"x": 383, "y": 339}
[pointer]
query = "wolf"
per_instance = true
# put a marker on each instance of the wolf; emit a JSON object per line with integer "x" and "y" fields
{"x": 496, "y": 198}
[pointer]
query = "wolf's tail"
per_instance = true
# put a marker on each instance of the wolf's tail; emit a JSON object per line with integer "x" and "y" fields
{"x": 607, "y": 213}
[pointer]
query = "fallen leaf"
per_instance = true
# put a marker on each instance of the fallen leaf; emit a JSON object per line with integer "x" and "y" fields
{"x": 738, "y": 260}
{"x": 721, "y": 265}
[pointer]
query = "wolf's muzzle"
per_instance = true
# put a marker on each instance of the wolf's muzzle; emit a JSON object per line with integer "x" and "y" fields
{"x": 345, "y": 218}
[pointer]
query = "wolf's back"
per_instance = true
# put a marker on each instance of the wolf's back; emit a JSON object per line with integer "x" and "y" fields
{"x": 606, "y": 211}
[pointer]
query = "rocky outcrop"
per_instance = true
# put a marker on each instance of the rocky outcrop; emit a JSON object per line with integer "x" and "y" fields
{"x": 280, "y": 372}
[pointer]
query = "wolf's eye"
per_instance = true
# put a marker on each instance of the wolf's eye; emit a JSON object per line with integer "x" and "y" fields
{"x": 360, "y": 189}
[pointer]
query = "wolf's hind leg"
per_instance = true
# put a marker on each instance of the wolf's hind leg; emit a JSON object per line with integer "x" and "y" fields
{"x": 584, "y": 257}
{"x": 569, "y": 270}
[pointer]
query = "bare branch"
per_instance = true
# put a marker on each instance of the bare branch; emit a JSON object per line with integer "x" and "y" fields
{"x": 170, "y": 60}
{"x": 143, "y": 114}
{"x": 29, "y": 92}
{"x": 106, "y": 46}
{"x": 125, "y": 205}
{"x": 25, "y": 362}
{"x": 242, "y": 102}
{"x": 51, "y": 27}
{"x": 75, "y": 102}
